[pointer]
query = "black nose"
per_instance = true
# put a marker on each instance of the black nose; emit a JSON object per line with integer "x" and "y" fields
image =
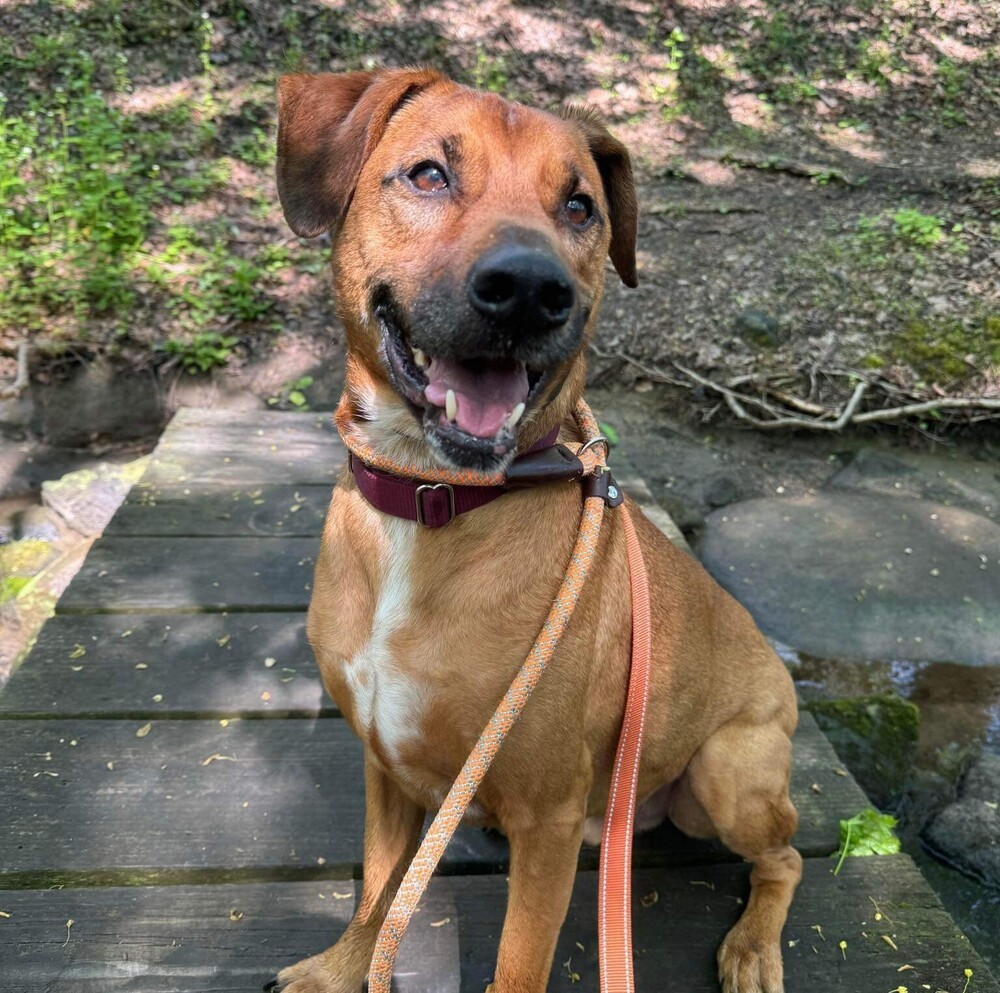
{"x": 520, "y": 285}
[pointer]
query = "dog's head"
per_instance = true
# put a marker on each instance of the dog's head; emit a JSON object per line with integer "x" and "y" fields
{"x": 470, "y": 235}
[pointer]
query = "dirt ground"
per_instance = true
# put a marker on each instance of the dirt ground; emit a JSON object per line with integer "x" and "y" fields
{"x": 819, "y": 183}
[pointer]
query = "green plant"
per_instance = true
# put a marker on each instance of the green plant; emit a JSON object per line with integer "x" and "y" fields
{"x": 490, "y": 72}
{"x": 867, "y": 833}
{"x": 77, "y": 197}
{"x": 256, "y": 149}
{"x": 952, "y": 79}
{"x": 203, "y": 351}
{"x": 674, "y": 44}
{"x": 922, "y": 230}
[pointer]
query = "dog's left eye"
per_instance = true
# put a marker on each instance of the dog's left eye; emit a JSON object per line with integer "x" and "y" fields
{"x": 428, "y": 177}
{"x": 579, "y": 209}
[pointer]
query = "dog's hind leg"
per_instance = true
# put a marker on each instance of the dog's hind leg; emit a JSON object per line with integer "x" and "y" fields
{"x": 392, "y": 832}
{"x": 736, "y": 787}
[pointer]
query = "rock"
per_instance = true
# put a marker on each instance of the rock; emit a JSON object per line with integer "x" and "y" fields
{"x": 760, "y": 328}
{"x": 876, "y": 737}
{"x": 37, "y": 524}
{"x": 721, "y": 490}
{"x": 967, "y": 833}
{"x": 953, "y": 481}
{"x": 98, "y": 401}
{"x": 847, "y": 575}
{"x": 687, "y": 514}
{"x": 88, "y": 498}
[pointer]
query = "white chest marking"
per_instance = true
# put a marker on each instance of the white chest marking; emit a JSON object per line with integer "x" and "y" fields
{"x": 387, "y": 700}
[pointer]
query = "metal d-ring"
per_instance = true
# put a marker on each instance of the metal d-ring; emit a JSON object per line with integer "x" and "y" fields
{"x": 596, "y": 440}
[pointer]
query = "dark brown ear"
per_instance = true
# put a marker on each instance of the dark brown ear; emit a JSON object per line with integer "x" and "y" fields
{"x": 615, "y": 167}
{"x": 328, "y": 125}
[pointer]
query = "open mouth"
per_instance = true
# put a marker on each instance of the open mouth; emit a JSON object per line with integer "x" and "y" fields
{"x": 469, "y": 408}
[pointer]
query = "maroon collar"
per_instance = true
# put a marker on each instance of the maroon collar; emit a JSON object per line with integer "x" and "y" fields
{"x": 436, "y": 504}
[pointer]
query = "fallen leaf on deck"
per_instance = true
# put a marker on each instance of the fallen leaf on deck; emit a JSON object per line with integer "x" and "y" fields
{"x": 218, "y": 758}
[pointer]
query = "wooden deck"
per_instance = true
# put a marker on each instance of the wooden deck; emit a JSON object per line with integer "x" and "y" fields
{"x": 182, "y": 806}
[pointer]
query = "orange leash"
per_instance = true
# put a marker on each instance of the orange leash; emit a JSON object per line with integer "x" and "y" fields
{"x": 615, "y": 866}
{"x": 614, "y": 880}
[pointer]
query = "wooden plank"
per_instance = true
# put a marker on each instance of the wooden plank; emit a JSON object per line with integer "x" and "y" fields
{"x": 260, "y": 510}
{"x": 224, "y": 448}
{"x": 151, "y": 665}
{"x": 231, "y": 938}
{"x": 196, "y": 799}
{"x": 178, "y": 574}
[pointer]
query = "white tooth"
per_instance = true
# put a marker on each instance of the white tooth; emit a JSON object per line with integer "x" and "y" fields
{"x": 420, "y": 357}
{"x": 515, "y": 415}
{"x": 450, "y": 405}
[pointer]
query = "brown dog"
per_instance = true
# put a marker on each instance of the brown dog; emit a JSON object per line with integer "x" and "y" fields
{"x": 470, "y": 235}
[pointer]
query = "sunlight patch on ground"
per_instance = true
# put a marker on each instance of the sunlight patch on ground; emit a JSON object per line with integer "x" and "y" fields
{"x": 749, "y": 110}
{"x": 857, "y": 143}
{"x": 982, "y": 168}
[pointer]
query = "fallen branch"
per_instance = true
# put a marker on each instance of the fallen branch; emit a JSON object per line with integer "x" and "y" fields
{"x": 847, "y": 415}
{"x": 945, "y": 403}
{"x": 651, "y": 373}
{"x": 736, "y": 400}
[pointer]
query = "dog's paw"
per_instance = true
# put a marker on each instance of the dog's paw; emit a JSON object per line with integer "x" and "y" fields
{"x": 313, "y": 975}
{"x": 747, "y": 965}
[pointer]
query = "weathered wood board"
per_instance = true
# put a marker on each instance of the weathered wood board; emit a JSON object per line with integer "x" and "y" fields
{"x": 257, "y": 509}
{"x": 176, "y": 665}
{"x": 197, "y": 799}
{"x": 187, "y": 574}
{"x": 232, "y": 938}
{"x": 204, "y": 447}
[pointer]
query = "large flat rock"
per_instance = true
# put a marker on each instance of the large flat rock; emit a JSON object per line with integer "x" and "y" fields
{"x": 862, "y": 576}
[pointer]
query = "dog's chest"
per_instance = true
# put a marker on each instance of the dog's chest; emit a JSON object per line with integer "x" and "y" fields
{"x": 389, "y": 699}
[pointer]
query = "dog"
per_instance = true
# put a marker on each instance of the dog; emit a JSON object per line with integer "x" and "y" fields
{"x": 470, "y": 235}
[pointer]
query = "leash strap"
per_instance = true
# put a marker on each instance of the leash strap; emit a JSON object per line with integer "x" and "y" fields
{"x": 615, "y": 866}
{"x": 614, "y": 880}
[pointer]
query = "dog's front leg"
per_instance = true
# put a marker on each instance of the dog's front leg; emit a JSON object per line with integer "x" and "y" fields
{"x": 543, "y": 861}
{"x": 392, "y": 832}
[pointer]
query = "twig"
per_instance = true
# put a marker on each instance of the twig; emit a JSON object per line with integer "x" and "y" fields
{"x": 653, "y": 374}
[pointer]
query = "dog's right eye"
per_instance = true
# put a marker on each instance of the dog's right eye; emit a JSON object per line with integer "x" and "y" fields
{"x": 428, "y": 177}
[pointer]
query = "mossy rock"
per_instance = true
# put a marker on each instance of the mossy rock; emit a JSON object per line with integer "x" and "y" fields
{"x": 876, "y": 738}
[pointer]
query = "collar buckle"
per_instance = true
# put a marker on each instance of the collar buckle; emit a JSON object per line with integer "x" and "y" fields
{"x": 430, "y": 487}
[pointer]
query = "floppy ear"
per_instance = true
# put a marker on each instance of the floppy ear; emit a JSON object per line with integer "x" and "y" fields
{"x": 615, "y": 167}
{"x": 328, "y": 125}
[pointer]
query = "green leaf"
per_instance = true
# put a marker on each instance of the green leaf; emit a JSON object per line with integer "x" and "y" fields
{"x": 610, "y": 433}
{"x": 297, "y": 398}
{"x": 867, "y": 833}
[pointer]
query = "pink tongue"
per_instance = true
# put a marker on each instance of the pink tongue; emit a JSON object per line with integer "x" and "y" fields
{"x": 484, "y": 396}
